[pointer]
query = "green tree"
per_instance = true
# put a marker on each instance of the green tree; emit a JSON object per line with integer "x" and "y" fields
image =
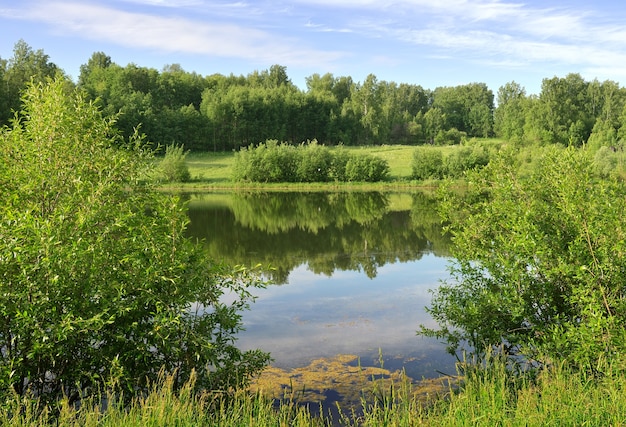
{"x": 608, "y": 129}
{"x": 25, "y": 65}
{"x": 434, "y": 122}
{"x": 467, "y": 108}
{"x": 99, "y": 284}
{"x": 509, "y": 117}
{"x": 98, "y": 61}
{"x": 540, "y": 262}
{"x": 565, "y": 110}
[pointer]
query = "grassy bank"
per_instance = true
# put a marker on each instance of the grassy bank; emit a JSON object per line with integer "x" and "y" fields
{"x": 490, "y": 396}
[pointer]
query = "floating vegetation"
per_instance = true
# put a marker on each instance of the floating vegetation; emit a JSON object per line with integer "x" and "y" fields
{"x": 342, "y": 381}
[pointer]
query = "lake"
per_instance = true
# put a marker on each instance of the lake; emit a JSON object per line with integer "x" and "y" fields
{"x": 351, "y": 274}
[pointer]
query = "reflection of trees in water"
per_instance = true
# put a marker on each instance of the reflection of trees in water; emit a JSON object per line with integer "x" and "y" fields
{"x": 329, "y": 231}
{"x": 283, "y": 212}
{"x": 427, "y": 224}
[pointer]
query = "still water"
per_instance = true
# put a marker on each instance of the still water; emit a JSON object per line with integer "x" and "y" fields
{"x": 351, "y": 273}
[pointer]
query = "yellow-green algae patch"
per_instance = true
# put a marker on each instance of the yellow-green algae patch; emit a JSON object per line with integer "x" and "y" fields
{"x": 341, "y": 379}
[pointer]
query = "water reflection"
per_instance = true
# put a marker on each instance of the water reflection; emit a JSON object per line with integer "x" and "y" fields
{"x": 328, "y": 231}
{"x": 358, "y": 268}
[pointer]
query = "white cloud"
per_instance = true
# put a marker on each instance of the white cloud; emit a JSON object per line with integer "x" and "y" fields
{"x": 176, "y": 34}
{"x": 509, "y": 34}
{"x": 167, "y": 3}
{"x": 340, "y": 35}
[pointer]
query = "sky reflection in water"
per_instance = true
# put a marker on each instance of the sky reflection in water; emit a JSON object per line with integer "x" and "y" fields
{"x": 348, "y": 313}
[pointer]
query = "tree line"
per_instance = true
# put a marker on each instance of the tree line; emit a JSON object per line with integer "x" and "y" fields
{"x": 218, "y": 112}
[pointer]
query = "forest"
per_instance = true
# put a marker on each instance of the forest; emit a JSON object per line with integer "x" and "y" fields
{"x": 223, "y": 113}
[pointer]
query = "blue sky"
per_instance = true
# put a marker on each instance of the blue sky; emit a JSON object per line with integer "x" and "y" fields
{"x": 427, "y": 42}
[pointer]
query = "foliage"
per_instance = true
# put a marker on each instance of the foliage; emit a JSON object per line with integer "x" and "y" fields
{"x": 338, "y": 163}
{"x": 430, "y": 162}
{"x": 24, "y": 66}
{"x": 449, "y": 137}
{"x": 541, "y": 262}
{"x": 268, "y": 162}
{"x": 464, "y": 159}
{"x": 310, "y": 162}
{"x": 226, "y": 112}
{"x": 173, "y": 168}
{"x": 314, "y": 164}
{"x": 100, "y": 285}
{"x": 427, "y": 163}
{"x": 467, "y": 108}
{"x": 366, "y": 168}
{"x": 609, "y": 161}
{"x": 509, "y": 117}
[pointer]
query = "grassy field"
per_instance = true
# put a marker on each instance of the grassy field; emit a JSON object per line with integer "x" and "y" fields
{"x": 214, "y": 170}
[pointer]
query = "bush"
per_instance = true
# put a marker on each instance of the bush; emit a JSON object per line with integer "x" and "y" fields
{"x": 463, "y": 159}
{"x": 541, "y": 262}
{"x": 365, "y": 168}
{"x": 267, "y": 162}
{"x": 315, "y": 163}
{"x": 101, "y": 289}
{"x": 449, "y": 137}
{"x": 427, "y": 163}
{"x": 610, "y": 161}
{"x": 173, "y": 167}
{"x": 338, "y": 164}
{"x": 309, "y": 162}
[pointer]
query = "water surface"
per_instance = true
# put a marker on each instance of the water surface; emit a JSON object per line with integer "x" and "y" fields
{"x": 351, "y": 271}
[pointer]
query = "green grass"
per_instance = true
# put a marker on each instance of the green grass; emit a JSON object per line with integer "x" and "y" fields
{"x": 490, "y": 396}
{"x": 211, "y": 168}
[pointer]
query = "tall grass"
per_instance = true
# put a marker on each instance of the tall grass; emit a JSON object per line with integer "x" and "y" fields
{"x": 161, "y": 406}
{"x": 491, "y": 395}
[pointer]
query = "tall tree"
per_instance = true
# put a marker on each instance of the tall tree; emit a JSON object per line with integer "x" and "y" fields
{"x": 457, "y": 102}
{"x": 509, "y": 116}
{"x": 565, "y": 109}
{"x": 25, "y": 65}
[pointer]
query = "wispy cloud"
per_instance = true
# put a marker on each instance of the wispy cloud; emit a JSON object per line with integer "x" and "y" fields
{"x": 175, "y": 34}
{"x": 167, "y": 3}
{"x": 490, "y": 32}
{"x": 354, "y": 36}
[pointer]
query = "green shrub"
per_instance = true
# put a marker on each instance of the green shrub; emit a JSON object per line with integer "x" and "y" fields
{"x": 338, "y": 165}
{"x": 365, "y": 168}
{"x": 427, "y": 163}
{"x": 463, "y": 159}
{"x": 173, "y": 167}
{"x": 315, "y": 163}
{"x": 309, "y": 162}
{"x": 267, "y": 162}
{"x": 610, "y": 161}
{"x": 98, "y": 275}
{"x": 449, "y": 137}
{"x": 540, "y": 262}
